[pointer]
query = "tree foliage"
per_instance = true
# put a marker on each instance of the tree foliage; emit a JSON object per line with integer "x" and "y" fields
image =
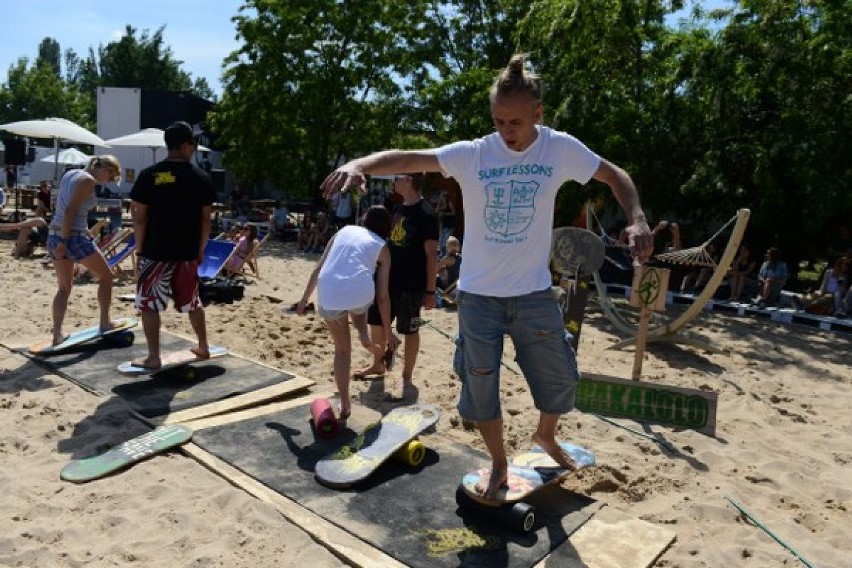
{"x": 137, "y": 59}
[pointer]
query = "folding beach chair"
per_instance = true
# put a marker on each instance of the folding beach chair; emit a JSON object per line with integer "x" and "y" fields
{"x": 119, "y": 254}
{"x": 216, "y": 254}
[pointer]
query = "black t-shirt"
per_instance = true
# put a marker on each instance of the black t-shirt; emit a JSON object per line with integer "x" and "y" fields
{"x": 175, "y": 193}
{"x": 411, "y": 227}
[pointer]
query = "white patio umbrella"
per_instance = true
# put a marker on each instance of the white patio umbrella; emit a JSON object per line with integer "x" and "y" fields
{"x": 56, "y": 129}
{"x": 68, "y": 156}
{"x": 152, "y": 138}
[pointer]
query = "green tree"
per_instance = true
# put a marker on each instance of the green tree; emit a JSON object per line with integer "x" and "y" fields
{"x": 774, "y": 97}
{"x": 316, "y": 82}
{"x": 49, "y": 54}
{"x": 37, "y": 92}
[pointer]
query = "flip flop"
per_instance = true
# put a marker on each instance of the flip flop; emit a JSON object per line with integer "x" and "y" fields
{"x": 389, "y": 358}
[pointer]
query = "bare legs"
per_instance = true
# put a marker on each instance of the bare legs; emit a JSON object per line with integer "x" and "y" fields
{"x": 339, "y": 330}
{"x": 411, "y": 346}
{"x": 544, "y": 436}
{"x": 65, "y": 281}
{"x": 151, "y": 327}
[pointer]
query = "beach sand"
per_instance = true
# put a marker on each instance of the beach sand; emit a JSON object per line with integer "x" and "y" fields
{"x": 783, "y": 445}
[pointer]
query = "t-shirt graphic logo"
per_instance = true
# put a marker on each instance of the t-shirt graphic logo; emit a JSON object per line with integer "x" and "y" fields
{"x": 162, "y": 178}
{"x": 398, "y": 234}
{"x": 510, "y": 206}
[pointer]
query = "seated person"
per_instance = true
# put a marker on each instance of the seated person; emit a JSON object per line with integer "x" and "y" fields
{"x": 845, "y": 310}
{"x": 771, "y": 279}
{"x": 322, "y": 233}
{"x": 31, "y": 233}
{"x": 245, "y": 244}
{"x": 828, "y": 299}
{"x": 306, "y": 231}
{"x": 280, "y": 220}
{"x": 43, "y": 195}
{"x": 741, "y": 272}
{"x": 449, "y": 266}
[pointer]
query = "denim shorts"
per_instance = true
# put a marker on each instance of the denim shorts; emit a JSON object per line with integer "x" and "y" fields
{"x": 77, "y": 247}
{"x": 543, "y": 346}
{"x": 332, "y": 315}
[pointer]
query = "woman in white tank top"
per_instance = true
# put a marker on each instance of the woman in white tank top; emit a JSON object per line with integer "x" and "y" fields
{"x": 344, "y": 278}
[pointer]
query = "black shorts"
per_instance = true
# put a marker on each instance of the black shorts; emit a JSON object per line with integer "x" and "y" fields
{"x": 405, "y": 308}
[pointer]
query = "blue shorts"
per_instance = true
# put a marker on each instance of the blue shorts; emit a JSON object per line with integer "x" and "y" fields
{"x": 77, "y": 247}
{"x": 544, "y": 352}
{"x": 331, "y": 315}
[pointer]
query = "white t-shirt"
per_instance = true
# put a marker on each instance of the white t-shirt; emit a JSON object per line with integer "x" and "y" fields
{"x": 509, "y": 199}
{"x": 345, "y": 280}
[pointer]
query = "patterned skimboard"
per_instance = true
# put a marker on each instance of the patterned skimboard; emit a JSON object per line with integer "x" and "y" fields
{"x": 528, "y": 472}
{"x": 171, "y": 360}
{"x": 358, "y": 459}
{"x": 126, "y": 454}
{"x": 120, "y": 333}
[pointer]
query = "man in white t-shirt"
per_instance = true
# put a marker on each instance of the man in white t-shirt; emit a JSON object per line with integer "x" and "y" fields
{"x": 509, "y": 180}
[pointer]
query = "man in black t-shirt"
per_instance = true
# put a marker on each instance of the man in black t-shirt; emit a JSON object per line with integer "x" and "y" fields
{"x": 413, "y": 245}
{"x": 172, "y": 205}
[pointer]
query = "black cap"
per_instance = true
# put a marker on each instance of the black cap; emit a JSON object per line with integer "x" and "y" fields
{"x": 177, "y": 133}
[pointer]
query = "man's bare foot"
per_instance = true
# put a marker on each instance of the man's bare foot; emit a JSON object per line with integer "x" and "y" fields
{"x": 107, "y": 327}
{"x": 554, "y": 451}
{"x": 373, "y": 370}
{"x": 147, "y": 362}
{"x": 487, "y": 489}
{"x": 201, "y": 352}
{"x": 57, "y": 339}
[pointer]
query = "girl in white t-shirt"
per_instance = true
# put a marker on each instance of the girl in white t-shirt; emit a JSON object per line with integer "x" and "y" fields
{"x": 344, "y": 279}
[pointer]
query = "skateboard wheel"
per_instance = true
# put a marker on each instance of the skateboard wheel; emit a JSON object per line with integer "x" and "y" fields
{"x": 189, "y": 374}
{"x": 127, "y": 338}
{"x": 521, "y": 517}
{"x": 413, "y": 453}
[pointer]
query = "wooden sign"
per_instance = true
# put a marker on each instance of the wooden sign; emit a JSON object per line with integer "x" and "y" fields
{"x": 650, "y": 285}
{"x": 647, "y": 402}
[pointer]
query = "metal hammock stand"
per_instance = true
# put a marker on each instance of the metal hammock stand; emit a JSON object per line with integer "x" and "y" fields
{"x": 696, "y": 256}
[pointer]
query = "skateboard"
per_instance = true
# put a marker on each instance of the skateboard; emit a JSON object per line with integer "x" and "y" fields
{"x": 120, "y": 335}
{"x": 575, "y": 255}
{"x": 394, "y": 435}
{"x": 528, "y": 473}
{"x": 172, "y": 360}
{"x": 126, "y": 454}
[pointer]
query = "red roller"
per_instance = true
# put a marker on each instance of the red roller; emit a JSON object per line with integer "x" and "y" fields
{"x": 326, "y": 424}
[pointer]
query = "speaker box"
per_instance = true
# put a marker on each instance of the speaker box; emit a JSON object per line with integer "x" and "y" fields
{"x": 16, "y": 151}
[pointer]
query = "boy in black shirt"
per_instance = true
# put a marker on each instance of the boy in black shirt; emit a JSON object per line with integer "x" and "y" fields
{"x": 413, "y": 245}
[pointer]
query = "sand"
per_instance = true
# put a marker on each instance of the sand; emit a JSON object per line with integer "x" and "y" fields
{"x": 783, "y": 448}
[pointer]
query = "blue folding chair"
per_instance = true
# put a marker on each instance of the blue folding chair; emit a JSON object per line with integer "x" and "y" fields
{"x": 216, "y": 254}
{"x": 127, "y": 248}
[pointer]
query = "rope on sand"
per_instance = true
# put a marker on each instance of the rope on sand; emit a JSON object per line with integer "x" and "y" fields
{"x": 447, "y": 335}
{"x": 763, "y": 527}
{"x": 663, "y": 443}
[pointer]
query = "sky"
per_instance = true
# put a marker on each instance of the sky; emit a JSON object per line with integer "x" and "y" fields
{"x": 199, "y": 32}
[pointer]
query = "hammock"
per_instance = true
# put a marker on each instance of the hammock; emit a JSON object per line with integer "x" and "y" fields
{"x": 695, "y": 256}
